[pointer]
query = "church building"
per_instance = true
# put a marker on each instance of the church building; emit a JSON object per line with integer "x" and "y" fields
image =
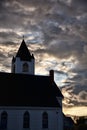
{"x": 29, "y": 101}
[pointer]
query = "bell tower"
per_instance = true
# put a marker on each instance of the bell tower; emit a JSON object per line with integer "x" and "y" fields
{"x": 23, "y": 62}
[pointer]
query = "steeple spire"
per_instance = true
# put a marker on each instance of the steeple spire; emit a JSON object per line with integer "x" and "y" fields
{"x": 23, "y": 62}
{"x": 23, "y": 52}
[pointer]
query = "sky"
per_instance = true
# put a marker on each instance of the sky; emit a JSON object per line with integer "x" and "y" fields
{"x": 55, "y": 31}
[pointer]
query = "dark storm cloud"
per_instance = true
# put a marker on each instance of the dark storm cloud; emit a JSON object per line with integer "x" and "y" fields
{"x": 47, "y": 14}
{"x": 77, "y": 95}
{"x": 14, "y": 15}
{"x": 62, "y": 49}
{"x": 79, "y": 2}
{"x": 8, "y": 37}
{"x": 2, "y": 56}
{"x": 46, "y": 17}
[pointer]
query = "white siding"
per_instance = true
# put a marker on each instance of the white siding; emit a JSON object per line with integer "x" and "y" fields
{"x": 15, "y": 118}
{"x": 19, "y": 65}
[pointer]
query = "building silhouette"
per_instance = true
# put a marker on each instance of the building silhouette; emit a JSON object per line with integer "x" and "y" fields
{"x": 29, "y": 101}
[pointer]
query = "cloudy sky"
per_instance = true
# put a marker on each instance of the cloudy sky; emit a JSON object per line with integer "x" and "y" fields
{"x": 55, "y": 31}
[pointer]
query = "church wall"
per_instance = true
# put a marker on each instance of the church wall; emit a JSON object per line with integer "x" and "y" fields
{"x": 15, "y": 118}
{"x": 18, "y": 66}
{"x": 60, "y": 120}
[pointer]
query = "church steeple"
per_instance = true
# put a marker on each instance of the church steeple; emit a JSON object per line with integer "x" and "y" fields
{"x": 23, "y": 62}
{"x": 23, "y": 52}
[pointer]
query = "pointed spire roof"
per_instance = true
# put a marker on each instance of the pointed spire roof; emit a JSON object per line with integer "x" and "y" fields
{"x": 23, "y": 52}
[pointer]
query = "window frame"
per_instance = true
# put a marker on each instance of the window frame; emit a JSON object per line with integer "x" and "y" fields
{"x": 45, "y": 120}
{"x": 4, "y": 118}
{"x": 25, "y": 67}
{"x": 26, "y": 120}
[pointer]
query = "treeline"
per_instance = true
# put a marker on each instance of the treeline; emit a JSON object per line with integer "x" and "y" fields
{"x": 80, "y": 127}
{"x": 81, "y": 124}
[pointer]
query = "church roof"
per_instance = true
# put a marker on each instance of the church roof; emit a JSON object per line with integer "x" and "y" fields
{"x": 24, "y": 53}
{"x": 27, "y": 90}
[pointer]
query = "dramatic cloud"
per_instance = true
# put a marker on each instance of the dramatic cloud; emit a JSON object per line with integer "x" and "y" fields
{"x": 56, "y": 32}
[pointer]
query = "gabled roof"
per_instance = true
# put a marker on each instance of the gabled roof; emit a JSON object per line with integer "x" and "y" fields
{"x": 24, "y": 53}
{"x": 57, "y": 90}
{"x": 27, "y": 90}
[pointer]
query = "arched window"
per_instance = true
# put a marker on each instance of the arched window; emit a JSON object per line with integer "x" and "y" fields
{"x": 26, "y": 120}
{"x": 45, "y": 120}
{"x": 4, "y": 120}
{"x": 25, "y": 67}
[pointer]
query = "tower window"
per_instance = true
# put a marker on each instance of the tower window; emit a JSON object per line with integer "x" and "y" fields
{"x": 4, "y": 120}
{"x": 44, "y": 120}
{"x": 26, "y": 120}
{"x": 25, "y": 67}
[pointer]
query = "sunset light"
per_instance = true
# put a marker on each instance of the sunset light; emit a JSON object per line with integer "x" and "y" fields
{"x": 55, "y": 31}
